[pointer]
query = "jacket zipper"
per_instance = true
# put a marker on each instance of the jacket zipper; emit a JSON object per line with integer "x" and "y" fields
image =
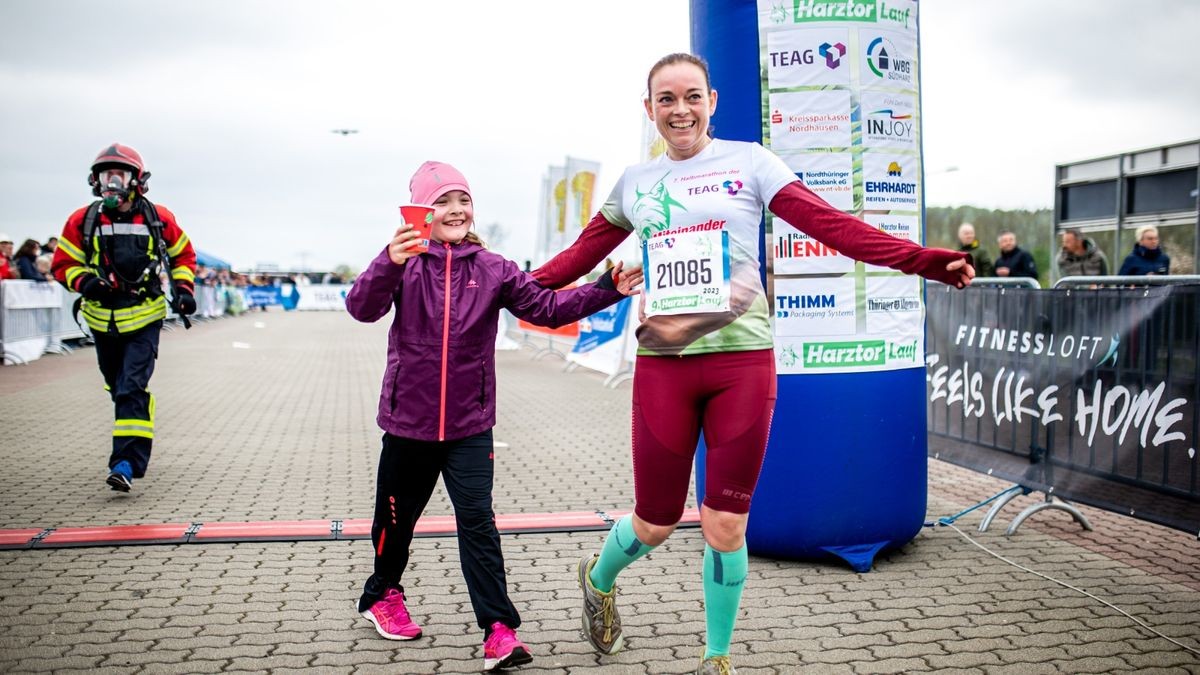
{"x": 445, "y": 347}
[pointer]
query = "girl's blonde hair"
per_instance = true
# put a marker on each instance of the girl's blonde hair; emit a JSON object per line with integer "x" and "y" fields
{"x": 474, "y": 238}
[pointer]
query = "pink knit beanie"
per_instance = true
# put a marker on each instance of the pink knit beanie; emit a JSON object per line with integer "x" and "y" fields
{"x": 434, "y": 179}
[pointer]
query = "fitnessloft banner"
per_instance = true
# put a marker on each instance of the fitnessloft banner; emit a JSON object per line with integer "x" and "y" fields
{"x": 841, "y": 108}
{"x": 1089, "y": 393}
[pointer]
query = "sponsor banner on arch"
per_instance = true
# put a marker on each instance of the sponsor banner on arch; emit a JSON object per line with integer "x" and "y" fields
{"x": 1089, "y": 394}
{"x": 841, "y": 105}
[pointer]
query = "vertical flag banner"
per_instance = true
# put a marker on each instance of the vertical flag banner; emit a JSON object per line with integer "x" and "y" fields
{"x": 653, "y": 144}
{"x": 841, "y": 103}
{"x": 580, "y": 193}
{"x": 554, "y": 213}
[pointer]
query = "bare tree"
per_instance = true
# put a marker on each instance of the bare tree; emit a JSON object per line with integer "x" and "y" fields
{"x": 494, "y": 235}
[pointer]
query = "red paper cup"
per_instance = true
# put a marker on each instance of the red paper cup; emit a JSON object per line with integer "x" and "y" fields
{"x": 420, "y": 217}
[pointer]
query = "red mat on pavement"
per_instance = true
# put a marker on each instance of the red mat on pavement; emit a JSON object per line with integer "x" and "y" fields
{"x": 116, "y": 535}
{"x": 267, "y": 530}
{"x": 297, "y": 530}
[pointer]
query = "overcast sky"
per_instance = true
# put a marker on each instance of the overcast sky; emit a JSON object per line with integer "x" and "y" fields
{"x": 232, "y": 103}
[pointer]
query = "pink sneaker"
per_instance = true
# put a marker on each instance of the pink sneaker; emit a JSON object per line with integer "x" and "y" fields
{"x": 391, "y": 618}
{"x": 503, "y": 649}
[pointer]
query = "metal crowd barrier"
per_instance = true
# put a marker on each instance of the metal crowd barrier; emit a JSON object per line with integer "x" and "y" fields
{"x": 1125, "y": 281}
{"x": 1006, "y": 281}
{"x": 1160, "y": 347}
{"x": 63, "y": 326}
{"x": 21, "y": 328}
{"x": 28, "y": 332}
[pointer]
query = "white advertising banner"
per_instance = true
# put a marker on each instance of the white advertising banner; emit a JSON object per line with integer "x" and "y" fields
{"x": 815, "y": 306}
{"x": 805, "y": 58}
{"x": 889, "y": 120}
{"x": 810, "y": 119}
{"x": 841, "y": 103}
{"x": 797, "y": 253}
{"x": 899, "y": 226}
{"x": 322, "y": 297}
{"x": 829, "y": 174}
{"x": 24, "y": 294}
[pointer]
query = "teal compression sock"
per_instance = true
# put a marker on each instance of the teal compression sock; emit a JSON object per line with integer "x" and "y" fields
{"x": 724, "y": 577}
{"x": 621, "y": 548}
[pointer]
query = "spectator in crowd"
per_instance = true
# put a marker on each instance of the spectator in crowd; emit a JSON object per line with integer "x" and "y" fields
{"x": 50, "y": 245}
{"x": 1147, "y": 257}
{"x": 1013, "y": 261}
{"x": 26, "y": 260}
{"x": 969, "y": 243}
{"x": 8, "y": 269}
{"x": 1080, "y": 257}
{"x": 44, "y": 263}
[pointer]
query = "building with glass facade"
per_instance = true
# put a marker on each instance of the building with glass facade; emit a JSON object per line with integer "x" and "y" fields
{"x": 1109, "y": 198}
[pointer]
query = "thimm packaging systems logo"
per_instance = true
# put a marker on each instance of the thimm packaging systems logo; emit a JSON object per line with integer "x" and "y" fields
{"x": 857, "y": 353}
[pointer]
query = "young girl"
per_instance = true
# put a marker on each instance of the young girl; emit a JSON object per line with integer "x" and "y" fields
{"x": 712, "y": 370}
{"x": 438, "y": 403}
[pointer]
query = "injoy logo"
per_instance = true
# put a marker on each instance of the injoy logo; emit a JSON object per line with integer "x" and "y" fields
{"x": 833, "y": 54}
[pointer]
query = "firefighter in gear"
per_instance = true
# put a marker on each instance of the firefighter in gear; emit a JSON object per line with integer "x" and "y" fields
{"x": 115, "y": 253}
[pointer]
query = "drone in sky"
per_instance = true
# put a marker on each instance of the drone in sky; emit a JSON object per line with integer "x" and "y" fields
{"x": 345, "y": 132}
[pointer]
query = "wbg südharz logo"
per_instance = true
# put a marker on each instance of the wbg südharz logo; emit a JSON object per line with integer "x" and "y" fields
{"x": 652, "y": 208}
{"x": 834, "y": 10}
{"x": 887, "y": 63}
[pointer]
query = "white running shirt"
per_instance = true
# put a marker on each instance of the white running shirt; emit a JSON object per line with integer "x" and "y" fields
{"x": 721, "y": 189}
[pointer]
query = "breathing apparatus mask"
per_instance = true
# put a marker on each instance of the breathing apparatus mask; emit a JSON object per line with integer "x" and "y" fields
{"x": 118, "y": 175}
{"x": 115, "y": 184}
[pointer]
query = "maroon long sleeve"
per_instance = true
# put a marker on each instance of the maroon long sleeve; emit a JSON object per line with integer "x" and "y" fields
{"x": 852, "y": 237}
{"x": 598, "y": 239}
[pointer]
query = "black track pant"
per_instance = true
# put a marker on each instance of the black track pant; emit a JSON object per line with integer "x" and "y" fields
{"x": 127, "y": 362}
{"x": 408, "y": 473}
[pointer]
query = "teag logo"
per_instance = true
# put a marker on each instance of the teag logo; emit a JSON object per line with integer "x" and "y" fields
{"x": 732, "y": 186}
{"x": 833, "y": 54}
{"x": 791, "y": 57}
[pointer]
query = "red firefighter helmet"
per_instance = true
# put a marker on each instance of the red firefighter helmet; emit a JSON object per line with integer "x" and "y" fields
{"x": 120, "y": 155}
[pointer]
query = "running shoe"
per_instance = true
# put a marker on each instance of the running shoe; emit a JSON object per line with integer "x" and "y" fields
{"x": 120, "y": 477}
{"x": 391, "y": 617}
{"x": 716, "y": 665}
{"x": 503, "y": 649}
{"x": 601, "y": 624}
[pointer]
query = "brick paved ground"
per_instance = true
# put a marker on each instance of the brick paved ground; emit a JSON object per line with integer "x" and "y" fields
{"x": 284, "y": 430}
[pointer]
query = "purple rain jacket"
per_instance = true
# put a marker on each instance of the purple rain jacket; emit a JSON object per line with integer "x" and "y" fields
{"x": 440, "y": 381}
